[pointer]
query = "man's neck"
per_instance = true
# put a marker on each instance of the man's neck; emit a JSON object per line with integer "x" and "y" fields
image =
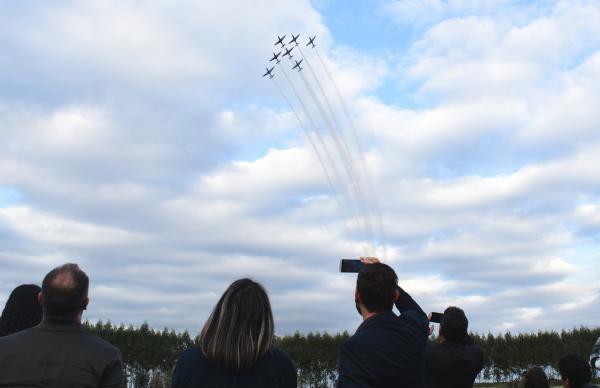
{"x": 63, "y": 320}
{"x": 367, "y": 314}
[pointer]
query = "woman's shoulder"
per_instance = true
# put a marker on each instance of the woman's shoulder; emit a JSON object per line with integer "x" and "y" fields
{"x": 192, "y": 356}
{"x": 281, "y": 358}
{"x": 284, "y": 368}
{"x": 189, "y": 365}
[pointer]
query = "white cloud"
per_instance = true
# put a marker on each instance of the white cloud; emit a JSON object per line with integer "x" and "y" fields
{"x": 150, "y": 144}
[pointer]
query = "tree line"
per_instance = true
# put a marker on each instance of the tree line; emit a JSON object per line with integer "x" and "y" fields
{"x": 149, "y": 355}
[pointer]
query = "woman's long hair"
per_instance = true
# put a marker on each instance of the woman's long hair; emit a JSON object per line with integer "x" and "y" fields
{"x": 240, "y": 330}
{"x": 22, "y": 310}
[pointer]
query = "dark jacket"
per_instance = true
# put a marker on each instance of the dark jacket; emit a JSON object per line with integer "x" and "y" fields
{"x": 53, "y": 355}
{"x": 387, "y": 350}
{"x": 595, "y": 356}
{"x": 452, "y": 365}
{"x": 193, "y": 370}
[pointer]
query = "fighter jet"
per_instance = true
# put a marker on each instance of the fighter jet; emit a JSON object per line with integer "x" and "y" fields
{"x": 268, "y": 73}
{"x": 311, "y": 41}
{"x": 275, "y": 57}
{"x": 288, "y": 52}
{"x": 294, "y": 39}
{"x": 280, "y": 41}
{"x": 297, "y": 65}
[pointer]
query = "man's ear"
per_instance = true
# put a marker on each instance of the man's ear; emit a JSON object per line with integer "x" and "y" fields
{"x": 40, "y": 298}
{"x": 86, "y": 301}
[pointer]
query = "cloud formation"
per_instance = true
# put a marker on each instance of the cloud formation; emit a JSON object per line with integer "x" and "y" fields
{"x": 142, "y": 144}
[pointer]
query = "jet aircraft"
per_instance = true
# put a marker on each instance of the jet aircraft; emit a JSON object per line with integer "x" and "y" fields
{"x": 311, "y": 41}
{"x": 268, "y": 73}
{"x": 297, "y": 65}
{"x": 275, "y": 57}
{"x": 294, "y": 39}
{"x": 280, "y": 41}
{"x": 288, "y": 52}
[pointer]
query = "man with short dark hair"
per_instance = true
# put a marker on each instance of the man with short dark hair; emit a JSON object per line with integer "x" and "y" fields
{"x": 595, "y": 356}
{"x": 59, "y": 352}
{"x": 386, "y": 350}
{"x": 454, "y": 361}
{"x": 575, "y": 372}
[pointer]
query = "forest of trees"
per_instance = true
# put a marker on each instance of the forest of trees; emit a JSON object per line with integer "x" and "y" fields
{"x": 150, "y": 355}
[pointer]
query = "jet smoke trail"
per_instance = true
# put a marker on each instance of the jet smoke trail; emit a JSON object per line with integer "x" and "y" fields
{"x": 356, "y": 177}
{"x": 314, "y": 125}
{"x": 371, "y": 188}
{"x": 347, "y": 164}
{"x": 313, "y": 145}
{"x": 338, "y": 180}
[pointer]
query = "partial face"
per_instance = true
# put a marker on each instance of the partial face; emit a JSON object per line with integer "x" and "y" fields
{"x": 357, "y": 302}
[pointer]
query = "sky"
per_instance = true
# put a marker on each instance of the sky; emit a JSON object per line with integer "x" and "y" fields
{"x": 140, "y": 141}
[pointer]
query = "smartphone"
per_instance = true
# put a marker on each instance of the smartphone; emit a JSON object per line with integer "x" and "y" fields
{"x": 436, "y": 317}
{"x": 349, "y": 265}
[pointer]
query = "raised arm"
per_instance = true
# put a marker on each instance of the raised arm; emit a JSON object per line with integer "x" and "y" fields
{"x": 404, "y": 303}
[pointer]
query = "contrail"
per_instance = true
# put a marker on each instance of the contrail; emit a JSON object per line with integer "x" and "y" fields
{"x": 356, "y": 176}
{"x": 347, "y": 164}
{"x": 337, "y": 179}
{"x": 312, "y": 143}
{"x": 371, "y": 188}
{"x": 314, "y": 125}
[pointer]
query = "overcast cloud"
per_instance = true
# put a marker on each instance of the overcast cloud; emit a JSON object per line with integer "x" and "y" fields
{"x": 142, "y": 143}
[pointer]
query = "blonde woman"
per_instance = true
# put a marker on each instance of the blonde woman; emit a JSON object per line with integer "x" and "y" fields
{"x": 237, "y": 345}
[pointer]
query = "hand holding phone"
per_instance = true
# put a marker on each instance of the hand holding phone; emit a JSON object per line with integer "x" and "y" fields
{"x": 352, "y": 266}
{"x": 436, "y": 317}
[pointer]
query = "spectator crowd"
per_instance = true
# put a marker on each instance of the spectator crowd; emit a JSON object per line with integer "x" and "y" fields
{"x": 43, "y": 342}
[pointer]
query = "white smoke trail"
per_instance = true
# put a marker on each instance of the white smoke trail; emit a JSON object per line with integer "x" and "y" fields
{"x": 357, "y": 178}
{"x": 372, "y": 191}
{"x": 345, "y": 162}
{"x": 337, "y": 179}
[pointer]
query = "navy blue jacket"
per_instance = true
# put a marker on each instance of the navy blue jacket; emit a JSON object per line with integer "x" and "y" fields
{"x": 387, "y": 351}
{"x": 452, "y": 364}
{"x": 193, "y": 370}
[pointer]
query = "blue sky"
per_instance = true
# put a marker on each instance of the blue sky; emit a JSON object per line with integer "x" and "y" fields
{"x": 142, "y": 143}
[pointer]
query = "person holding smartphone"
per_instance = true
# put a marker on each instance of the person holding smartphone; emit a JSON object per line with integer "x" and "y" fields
{"x": 454, "y": 361}
{"x": 386, "y": 350}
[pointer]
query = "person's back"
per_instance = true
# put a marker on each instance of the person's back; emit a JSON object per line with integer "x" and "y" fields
{"x": 59, "y": 353}
{"x": 454, "y": 361}
{"x": 22, "y": 310}
{"x": 575, "y": 372}
{"x": 386, "y": 350}
{"x": 236, "y": 346}
{"x": 193, "y": 369}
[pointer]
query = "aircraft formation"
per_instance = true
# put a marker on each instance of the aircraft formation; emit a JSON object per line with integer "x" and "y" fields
{"x": 287, "y": 49}
{"x": 327, "y": 130}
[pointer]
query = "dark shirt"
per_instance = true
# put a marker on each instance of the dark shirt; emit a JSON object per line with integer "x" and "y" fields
{"x": 193, "y": 370}
{"x": 387, "y": 350}
{"x": 53, "y": 355}
{"x": 452, "y": 365}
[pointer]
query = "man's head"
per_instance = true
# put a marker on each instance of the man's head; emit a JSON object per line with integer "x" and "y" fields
{"x": 376, "y": 287}
{"x": 454, "y": 324}
{"x": 65, "y": 292}
{"x": 574, "y": 371}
